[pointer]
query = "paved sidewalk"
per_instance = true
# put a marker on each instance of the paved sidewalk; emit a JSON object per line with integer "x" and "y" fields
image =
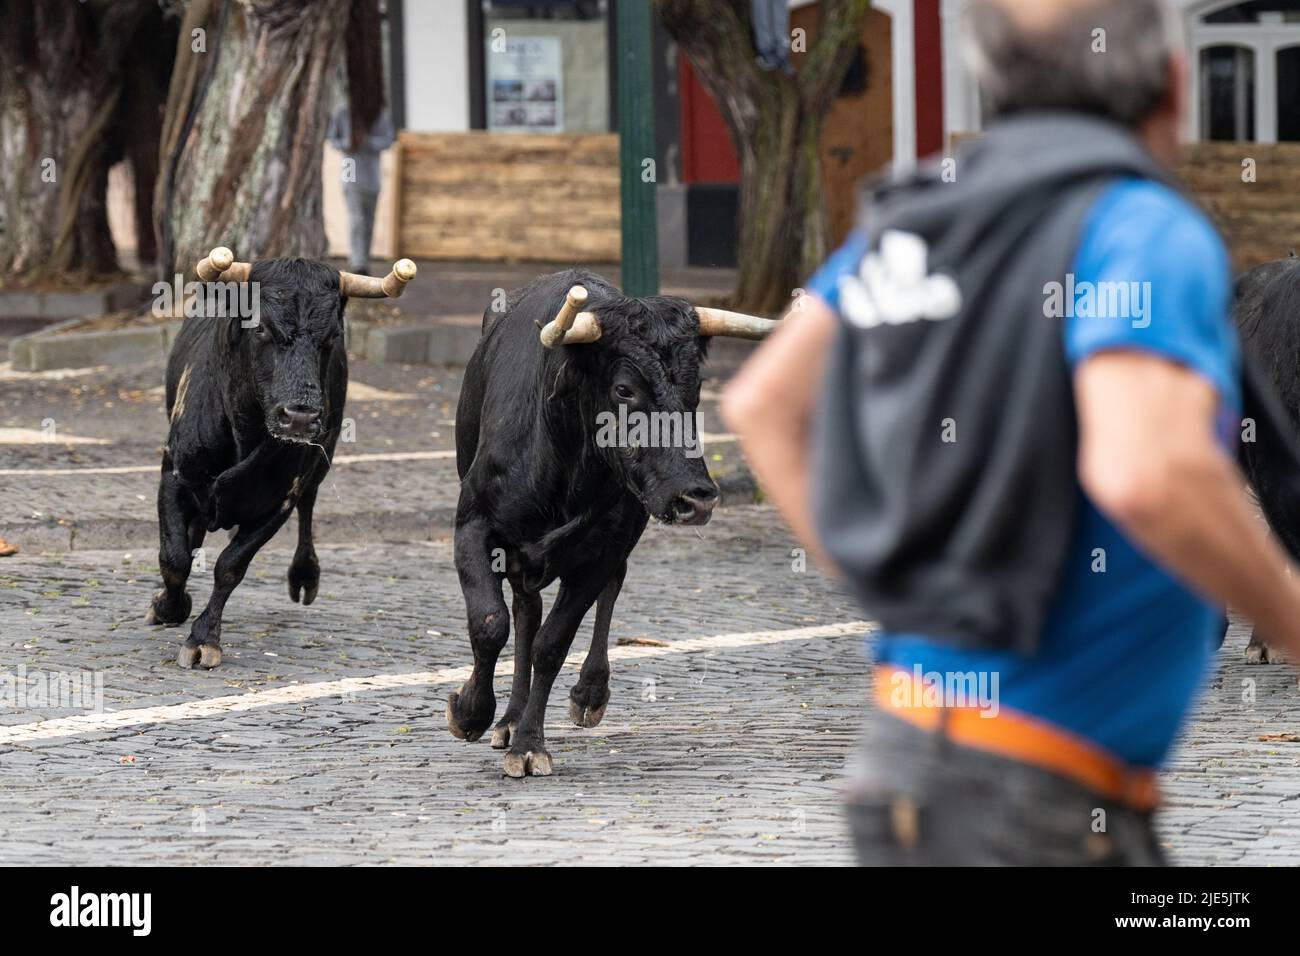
{"x": 714, "y": 750}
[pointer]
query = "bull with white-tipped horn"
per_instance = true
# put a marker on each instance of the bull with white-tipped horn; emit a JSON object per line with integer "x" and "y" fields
{"x": 255, "y": 403}
{"x": 565, "y": 452}
{"x": 572, "y": 327}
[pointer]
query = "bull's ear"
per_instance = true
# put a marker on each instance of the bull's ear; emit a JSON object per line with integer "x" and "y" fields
{"x": 229, "y": 331}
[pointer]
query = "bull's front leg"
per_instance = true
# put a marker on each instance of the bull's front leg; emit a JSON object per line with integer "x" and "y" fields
{"x": 181, "y": 528}
{"x": 304, "y": 571}
{"x": 590, "y": 695}
{"x": 470, "y": 711}
{"x": 527, "y": 754}
{"x": 203, "y": 646}
{"x": 527, "y": 610}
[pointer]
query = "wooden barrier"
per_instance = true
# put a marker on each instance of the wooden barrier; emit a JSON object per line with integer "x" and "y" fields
{"x": 1261, "y": 219}
{"x": 532, "y": 197}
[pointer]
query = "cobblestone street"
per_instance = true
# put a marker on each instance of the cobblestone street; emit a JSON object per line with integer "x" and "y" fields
{"x": 739, "y": 686}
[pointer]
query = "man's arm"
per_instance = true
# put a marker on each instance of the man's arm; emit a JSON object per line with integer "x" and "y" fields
{"x": 770, "y": 405}
{"x": 1149, "y": 460}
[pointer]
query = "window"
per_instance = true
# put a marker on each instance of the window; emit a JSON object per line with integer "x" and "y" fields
{"x": 1257, "y": 11}
{"x": 546, "y": 65}
{"x": 1227, "y": 93}
{"x": 1288, "y": 95}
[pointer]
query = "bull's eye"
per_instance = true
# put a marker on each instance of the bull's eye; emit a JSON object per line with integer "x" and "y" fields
{"x": 624, "y": 393}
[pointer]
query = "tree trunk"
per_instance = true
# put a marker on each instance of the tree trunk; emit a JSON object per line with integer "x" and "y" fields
{"x": 775, "y": 124}
{"x": 244, "y": 128}
{"x": 63, "y": 123}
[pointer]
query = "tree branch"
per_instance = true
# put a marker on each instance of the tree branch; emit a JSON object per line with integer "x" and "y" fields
{"x": 822, "y": 70}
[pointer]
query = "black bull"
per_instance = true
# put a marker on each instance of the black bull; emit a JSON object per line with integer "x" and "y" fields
{"x": 542, "y": 499}
{"x": 1268, "y": 318}
{"x": 255, "y": 414}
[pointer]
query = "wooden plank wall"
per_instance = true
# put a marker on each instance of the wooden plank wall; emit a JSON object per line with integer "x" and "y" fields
{"x": 1261, "y": 219}
{"x": 525, "y": 197}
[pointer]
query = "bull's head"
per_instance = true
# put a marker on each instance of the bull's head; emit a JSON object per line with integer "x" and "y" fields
{"x": 646, "y": 370}
{"x": 286, "y": 347}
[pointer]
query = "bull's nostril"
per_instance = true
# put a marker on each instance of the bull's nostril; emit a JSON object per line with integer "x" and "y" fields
{"x": 298, "y": 419}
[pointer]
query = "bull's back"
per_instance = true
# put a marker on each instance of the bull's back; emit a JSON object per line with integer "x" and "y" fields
{"x": 194, "y": 347}
{"x": 501, "y": 385}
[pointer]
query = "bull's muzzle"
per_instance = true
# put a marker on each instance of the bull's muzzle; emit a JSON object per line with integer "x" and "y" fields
{"x": 297, "y": 422}
{"x": 695, "y": 507}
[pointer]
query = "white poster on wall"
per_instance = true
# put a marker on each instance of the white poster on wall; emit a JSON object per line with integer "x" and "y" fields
{"x": 525, "y": 86}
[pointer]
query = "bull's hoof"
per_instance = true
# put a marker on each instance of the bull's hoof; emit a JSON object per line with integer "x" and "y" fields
{"x": 584, "y": 716}
{"x": 587, "y": 703}
{"x": 303, "y": 587}
{"x": 169, "y": 613}
{"x": 206, "y": 656}
{"x": 529, "y": 763}
{"x": 462, "y": 727}
{"x": 1258, "y": 653}
{"x": 501, "y": 734}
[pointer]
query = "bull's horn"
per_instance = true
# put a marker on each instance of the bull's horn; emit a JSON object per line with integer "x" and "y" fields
{"x": 569, "y": 327}
{"x": 372, "y": 287}
{"x": 220, "y": 266}
{"x": 735, "y": 324}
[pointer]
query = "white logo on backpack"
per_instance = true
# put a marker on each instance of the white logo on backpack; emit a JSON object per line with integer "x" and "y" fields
{"x": 893, "y": 286}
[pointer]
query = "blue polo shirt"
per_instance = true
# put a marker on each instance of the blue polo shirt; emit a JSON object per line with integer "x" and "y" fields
{"x": 1126, "y": 647}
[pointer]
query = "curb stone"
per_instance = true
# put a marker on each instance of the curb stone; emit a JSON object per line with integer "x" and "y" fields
{"x": 423, "y": 344}
{"x": 21, "y": 303}
{"x": 45, "y": 350}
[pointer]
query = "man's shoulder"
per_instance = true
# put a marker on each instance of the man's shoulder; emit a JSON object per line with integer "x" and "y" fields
{"x": 1152, "y": 223}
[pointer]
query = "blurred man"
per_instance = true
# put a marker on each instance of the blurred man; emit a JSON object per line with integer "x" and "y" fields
{"x": 1021, "y": 458}
{"x": 360, "y": 147}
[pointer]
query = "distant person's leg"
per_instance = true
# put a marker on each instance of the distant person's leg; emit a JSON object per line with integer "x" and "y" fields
{"x": 358, "y": 230}
{"x": 369, "y": 203}
{"x": 764, "y": 29}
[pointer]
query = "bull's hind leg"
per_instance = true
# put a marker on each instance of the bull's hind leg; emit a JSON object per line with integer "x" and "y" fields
{"x": 304, "y": 571}
{"x": 590, "y": 695}
{"x": 527, "y": 753}
{"x": 180, "y": 532}
{"x": 203, "y": 647}
{"x": 527, "y": 609}
{"x": 1258, "y": 651}
{"x": 470, "y": 711}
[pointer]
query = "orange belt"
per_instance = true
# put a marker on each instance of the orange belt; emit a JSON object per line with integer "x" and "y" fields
{"x": 1026, "y": 740}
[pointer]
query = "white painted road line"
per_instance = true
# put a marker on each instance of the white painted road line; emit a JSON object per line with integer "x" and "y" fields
{"x": 297, "y": 693}
{"x": 33, "y": 436}
{"x": 362, "y": 459}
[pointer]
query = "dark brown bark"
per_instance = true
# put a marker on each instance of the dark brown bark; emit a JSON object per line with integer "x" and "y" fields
{"x": 775, "y": 122}
{"x": 65, "y": 118}
{"x": 244, "y": 128}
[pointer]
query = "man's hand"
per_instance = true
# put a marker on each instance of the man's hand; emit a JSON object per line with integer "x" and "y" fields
{"x": 1149, "y": 460}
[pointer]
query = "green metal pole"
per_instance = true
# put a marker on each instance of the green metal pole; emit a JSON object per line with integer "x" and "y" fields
{"x": 636, "y": 147}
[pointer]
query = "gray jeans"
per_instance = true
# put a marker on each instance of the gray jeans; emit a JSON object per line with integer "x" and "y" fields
{"x": 361, "y": 226}
{"x": 924, "y": 801}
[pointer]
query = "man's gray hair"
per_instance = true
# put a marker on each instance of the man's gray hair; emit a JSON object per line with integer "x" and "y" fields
{"x": 1058, "y": 66}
